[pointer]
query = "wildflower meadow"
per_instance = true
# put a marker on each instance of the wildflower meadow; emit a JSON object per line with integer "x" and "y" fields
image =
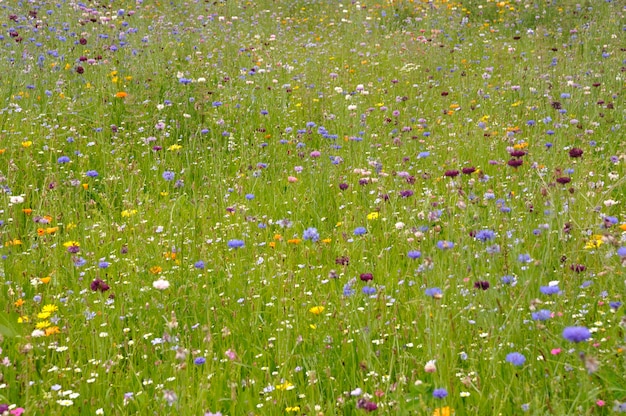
{"x": 312, "y": 207}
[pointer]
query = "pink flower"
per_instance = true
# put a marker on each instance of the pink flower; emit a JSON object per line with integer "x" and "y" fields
{"x": 555, "y": 351}
{"x": 292, "y": 179}
{"x": 600, "y": 403}
{"x": 232, "y": 355}
{"x": 19, "y": 410}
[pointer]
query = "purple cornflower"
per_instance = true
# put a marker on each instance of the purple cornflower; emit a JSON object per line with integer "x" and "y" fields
{"x": 168, "y": 175}
{"x": 99, "y": 285}
{"x": 516, "y": 359}
{"x": 92, "y": 173}
{"x": 199, "y": 264}
{"x": 576, "y": 333}
{"x": 103, "y": 264}
{"x": 621, "y": 252}
{"x": 311, "y": 234}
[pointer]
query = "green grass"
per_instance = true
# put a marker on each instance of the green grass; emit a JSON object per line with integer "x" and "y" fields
{"x": 270, "y": 119}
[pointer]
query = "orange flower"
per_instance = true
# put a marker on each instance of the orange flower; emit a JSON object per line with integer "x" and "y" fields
{"x": 121, "y": 94}
{"x": 272, "y": 244}
{"x": 51, "y": 230}
{"x": 85, "y": 186}
{"x": 622, "y": 227}
{"x": 294, "y": 241}
{"x": 27, "y": 211}
{"x": 45, "y": 279}
{"x": 156, "y": 269}
{"x": 52, "y": 330}
{"x": 40, "y": 232}
{"x": 19, "y": 302}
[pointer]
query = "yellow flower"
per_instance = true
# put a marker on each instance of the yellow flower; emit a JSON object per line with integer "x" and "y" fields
{"x": 595, "y": 242}
{"x": 14, "y": 242}
{"x": 373, "y": 215}
{"x": 42, "y": 324}
{"x": 129, "y": 212}
{"x": 50, "y": 308}
{"x": 71, "y": 244}
{"x": 43, "y": 315}
{"x": 51, "y": 230}
{"x": 443, "y": 411}
{"x": 27, "y": 143}
{"x": 316, "y": 310}
{"x": 156, "y": 269}
{"x": 23, "y": 319}
{"x": 292, "y": 409}
{"x": 285, "y": 386}
{"x": 174, "y": 147}
{"x": 326, "y": 240}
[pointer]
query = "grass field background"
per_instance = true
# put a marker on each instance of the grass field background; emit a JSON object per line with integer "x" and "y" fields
{"x": 312, "y": 207}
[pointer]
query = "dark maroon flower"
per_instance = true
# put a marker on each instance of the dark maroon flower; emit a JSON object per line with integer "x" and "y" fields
{"x": 410, "y": 179}
{"x": 481, "y": 284}
{"x": 575, "y": 152}
{"x": 406, "y": 193}
{"x": 366, "y": 405}
{"x": 384, "y": 197}
{"x": 343, "y": 186}
{"x": 73, "y": 249}
{"x": 556, "y": 105}
{"x": 124, "y": 249}
{"x": 468, "y": 170}
{"x": 82, "y": 58}
{"x": 563, "y": 180}
{"x": 451, "y": 173}
{"x": 363, "y": 181}
{"x": 98, "y": 285}
{"x": 80, "y": 69}
{"x": 515, "y": 163}
{"x": 578, "y": 268}
{"x": 366, "y": 277}
{"x": 444, "y": 93}
{"x": 82, "y": 41}
{"x": 343, "y": 260}
{"x": 518, "y": 153}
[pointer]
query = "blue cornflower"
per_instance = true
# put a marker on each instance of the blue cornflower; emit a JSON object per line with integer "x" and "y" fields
{"x": 433, "y": 292}
{"x": 444, "y": 245}
{"x": 235, "y": 244}
{"x": 360, "y": 231}
{"x": 576, "y": 333}
{"x": 103, "y": 264}
{"x": 347, "y": 290}
{"x": 92, "y": 173}
{"x": 621, "y": 251}
{"x": 542, "y": 315}
{"x": 199, "y": 361}
{"x": 199, "y": 264}
{"x": 414, "y": 254}
{"x": 168, "y": 175}
{"x": 369, "y": 290}
{"x": 63, "y": 159}
{"x": 440, "y": 393}
{"x": 524, "y": 258}
{"x": 485, "y": 235}
{"x": 249, "y": 196}
{"x": 311, "y": 234}
{"x": 550, "y": 290}
{"x": 615, "y": 305}
{"x": 516, "y": 359}
{"x": 508, "y": 280}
